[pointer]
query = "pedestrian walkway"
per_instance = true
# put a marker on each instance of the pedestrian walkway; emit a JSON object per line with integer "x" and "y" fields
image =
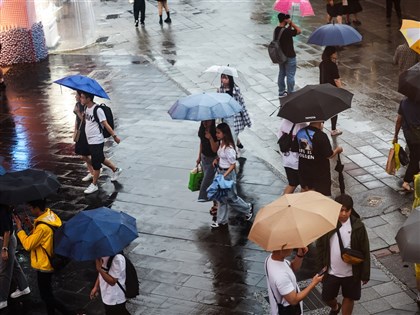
{"x": 184, "y": 267}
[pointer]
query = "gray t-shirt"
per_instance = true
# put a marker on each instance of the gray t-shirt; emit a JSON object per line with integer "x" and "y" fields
{"x": 93, "y": 133}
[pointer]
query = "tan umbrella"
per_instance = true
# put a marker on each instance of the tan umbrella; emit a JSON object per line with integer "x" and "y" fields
{"x": 294, "y": 221}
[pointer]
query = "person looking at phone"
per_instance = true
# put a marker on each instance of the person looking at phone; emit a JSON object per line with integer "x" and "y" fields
{"x": 349, "y": 277}
{"x": 283, "y": 291}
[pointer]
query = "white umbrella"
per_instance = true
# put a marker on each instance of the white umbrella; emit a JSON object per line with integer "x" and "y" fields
{"x": 216, "y": 71}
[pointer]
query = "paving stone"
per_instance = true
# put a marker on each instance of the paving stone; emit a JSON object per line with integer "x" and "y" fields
{"x": 398, "y": 299}
{"x": 386, "y": 289}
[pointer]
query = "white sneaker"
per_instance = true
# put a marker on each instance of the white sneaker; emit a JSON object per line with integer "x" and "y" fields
{"x": 87, "y": 178}
{"x": 116, "y": 174}
{"x": 3, "y": 304}
{"x": 91, "y": 189}
{"x": 18, "y": 293}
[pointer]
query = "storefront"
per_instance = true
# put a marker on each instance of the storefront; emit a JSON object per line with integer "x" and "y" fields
{"x": 29, "y": 27}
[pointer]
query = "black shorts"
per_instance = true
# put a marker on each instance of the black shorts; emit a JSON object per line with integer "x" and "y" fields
{"x": 292, "y": 176}
{"x": 97, "y": 155}
{"x": 350, "y": 287}
{"x": 335, "y": 10}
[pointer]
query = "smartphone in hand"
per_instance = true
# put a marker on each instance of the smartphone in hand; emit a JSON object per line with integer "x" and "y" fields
{"x": 322, "y": 271}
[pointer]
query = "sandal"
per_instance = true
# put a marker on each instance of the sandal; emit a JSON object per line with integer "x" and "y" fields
{"x": 213, "y": 211}
{"x": 407, "y": 188}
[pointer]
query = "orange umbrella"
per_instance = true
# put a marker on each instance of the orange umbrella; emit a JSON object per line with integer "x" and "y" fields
{"x": 411, "y": 31}
{"x": 294, "y": 221}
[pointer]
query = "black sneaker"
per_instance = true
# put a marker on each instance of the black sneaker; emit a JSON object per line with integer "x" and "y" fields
{"x": 168, "y": 20}
{"x": 240, "y": 146}
{"x": 137, "y": 23}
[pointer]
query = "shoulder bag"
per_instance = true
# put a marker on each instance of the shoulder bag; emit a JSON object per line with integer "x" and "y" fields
{"x": 348, "y": 255}
{"x": 274, "y": 49}
{"x": 283, "y": 310}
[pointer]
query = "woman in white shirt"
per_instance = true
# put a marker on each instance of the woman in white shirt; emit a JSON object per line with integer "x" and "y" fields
{"x": 226, "y": 163}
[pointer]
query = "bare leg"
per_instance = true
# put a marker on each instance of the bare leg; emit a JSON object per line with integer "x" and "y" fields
{"x": 159, "y": 8}
{"x": 347, "y": 307}
{"x": 88, "y": 162}
{"x": 95, "y": 177}
{"x": 110, "y": 165}
{"x": 339, "y": 19}
{"x": 165, "y": 5}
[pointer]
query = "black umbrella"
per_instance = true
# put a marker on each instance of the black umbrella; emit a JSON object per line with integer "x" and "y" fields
{"x": 339, "y": 168}
{"x": 408, "y": 237}
{"x": 23, "y": 186}
{"x": 315, "y": 103}
{"x": 409, "y": 83}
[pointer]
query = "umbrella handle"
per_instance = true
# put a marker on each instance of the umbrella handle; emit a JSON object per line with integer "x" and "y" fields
{"x": 274, "y": 111}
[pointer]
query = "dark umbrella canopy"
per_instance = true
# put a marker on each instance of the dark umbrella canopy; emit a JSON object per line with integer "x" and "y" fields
{"x": 334, "y": 35}
{"x": 408, "y": 238}
{"x": 315, "y": 103}
{"x": 95, "y": 233}
{"x": 409, "y": 83}
{"x": 23, "y": 186}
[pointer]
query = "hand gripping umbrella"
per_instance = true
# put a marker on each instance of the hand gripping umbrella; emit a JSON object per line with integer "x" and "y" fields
{"x": 27, "y": 185}
{"x": 315, "y": 103}
{"x": 334, "y": 35}
{"x": 408, "y": 237}
{"x": 205, "y": 106}
{"x": 95, "y": 233}
{"x": 294, "y": 221}
{"x": 83, "y": 83}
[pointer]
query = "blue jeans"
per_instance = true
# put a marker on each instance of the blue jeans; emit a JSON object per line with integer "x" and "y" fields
{"x": 232, "y": 200}
{"x": 287, "y": 70}
{"x": 209, "y": 173}
{"x": 10, "y": 269}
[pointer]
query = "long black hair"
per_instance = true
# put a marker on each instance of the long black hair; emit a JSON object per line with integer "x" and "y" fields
{"x": 231, "y": 84}
{"x": 228, "y": 139}
{"x": 202, "y": 129}
{"x": 328, "y": 52}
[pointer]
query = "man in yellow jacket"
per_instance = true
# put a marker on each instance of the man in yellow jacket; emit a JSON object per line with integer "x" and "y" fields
{"x": 40, "y": 243}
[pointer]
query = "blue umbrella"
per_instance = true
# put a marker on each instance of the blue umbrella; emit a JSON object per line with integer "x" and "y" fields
{"x": 82, "y": 83}
{"x": 334, "y": 35}
{"x": 205, "y": 106}
{"x": 95, "y": 233}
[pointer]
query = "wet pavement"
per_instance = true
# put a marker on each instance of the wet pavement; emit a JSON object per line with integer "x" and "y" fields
{"x": 184, "y": 267}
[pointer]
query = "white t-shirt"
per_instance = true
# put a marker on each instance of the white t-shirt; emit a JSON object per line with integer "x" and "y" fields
{"x": 93, "y": 133}
{"x": 112, "y": 295}
{"x": 282, "y": 281}
{"x": 290, "y": 159}
{"x": 227, "y": 156}
{"x": 338, "y": 267}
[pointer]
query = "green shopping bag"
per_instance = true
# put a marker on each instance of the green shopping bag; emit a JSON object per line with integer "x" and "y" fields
{"x": 196, "y": 176}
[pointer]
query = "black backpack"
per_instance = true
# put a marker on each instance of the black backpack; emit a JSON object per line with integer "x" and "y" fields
{"x": 58, "y": 262}
{"x": 131, "y": 280}
{"x": 109, "y": 118}
{"x": 287, "y": 143}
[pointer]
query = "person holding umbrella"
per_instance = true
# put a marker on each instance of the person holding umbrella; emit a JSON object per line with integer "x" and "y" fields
{"x": 409, "y": 119}
{"x": 207, "y": 153}
{"x": 283, "y": 290}
{"x": 328, "y": 73}
{"x": 315, "y": 151}
{"x": 81, "y": 146}
{"x": 9, "y": 265}
{"x": 108, "y": 283}
{"x": 40, "y": 243}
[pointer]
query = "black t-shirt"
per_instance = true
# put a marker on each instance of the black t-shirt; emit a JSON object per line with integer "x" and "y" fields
{"x": 410, "y": 111}
{"x": 6, "y": 223}
{"x": 328, "y": 72}
{"x": 286, "y": 40}
{"x": 205, "y": 143}
{"x": 314, "y": 152}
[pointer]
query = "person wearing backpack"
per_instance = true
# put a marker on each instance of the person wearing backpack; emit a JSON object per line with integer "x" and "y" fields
{"x": 287, "y": 69}
{"x": 291, "y": 156}
{"x": 40, "y": 243}
{"x": 109, "y": 280}
{"x": 95, "y": 129}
